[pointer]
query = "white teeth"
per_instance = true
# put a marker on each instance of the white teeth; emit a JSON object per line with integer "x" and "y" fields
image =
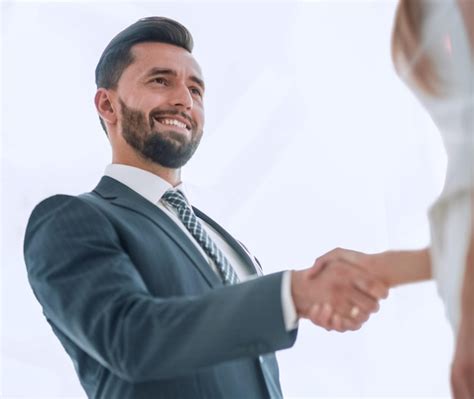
{"x": 173, "y": 122}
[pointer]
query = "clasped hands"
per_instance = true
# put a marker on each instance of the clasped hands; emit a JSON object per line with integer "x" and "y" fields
{"x": 340, "y": 290}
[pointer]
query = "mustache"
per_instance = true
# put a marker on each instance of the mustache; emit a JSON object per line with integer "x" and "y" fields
{"x": 155, "y": 113}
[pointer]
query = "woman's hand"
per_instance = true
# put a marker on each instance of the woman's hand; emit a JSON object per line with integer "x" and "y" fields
{"x": 392, "y": 267}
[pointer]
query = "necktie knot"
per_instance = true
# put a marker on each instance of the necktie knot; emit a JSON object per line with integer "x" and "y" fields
{"x": 175, "y": 198}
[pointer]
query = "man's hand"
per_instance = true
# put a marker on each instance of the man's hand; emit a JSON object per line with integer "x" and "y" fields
{"x": 391, "y": 268}
{"x": 339, "y": 296}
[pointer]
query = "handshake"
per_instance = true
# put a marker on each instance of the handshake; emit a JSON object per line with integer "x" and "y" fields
{"x": 342, "y": 288}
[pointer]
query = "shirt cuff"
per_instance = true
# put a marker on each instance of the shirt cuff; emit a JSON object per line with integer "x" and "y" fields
{"x": 290, "y": 317}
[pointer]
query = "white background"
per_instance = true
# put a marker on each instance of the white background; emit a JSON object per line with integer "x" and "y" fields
{"x": 311, "y": 142}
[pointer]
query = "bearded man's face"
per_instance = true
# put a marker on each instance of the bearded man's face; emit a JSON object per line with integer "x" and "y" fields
{"x": 161, "y": 104}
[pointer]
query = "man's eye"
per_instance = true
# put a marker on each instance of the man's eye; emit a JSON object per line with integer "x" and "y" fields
{"x": 194, "y": 90}
{"x": 161, "y": 81}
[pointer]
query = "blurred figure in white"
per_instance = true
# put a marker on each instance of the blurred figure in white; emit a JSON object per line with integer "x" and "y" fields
{"x": 432, "y": 50}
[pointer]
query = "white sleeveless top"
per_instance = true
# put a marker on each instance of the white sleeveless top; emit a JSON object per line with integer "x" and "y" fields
{"x": 445, "y": 41}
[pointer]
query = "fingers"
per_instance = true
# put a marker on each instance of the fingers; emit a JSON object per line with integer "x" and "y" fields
{"x": 343, "y": 324}
{"x": 349, "y": 312}
{"x": 336, "y": 323}
{"x": 349, "y": 295}
{"x": 342, "y": 295}
{"x": 323, "y": 316}
{"x": 354, "y": 317}
{"x": 350, "y": 324}
{"x": 377, "y": 288}
{"x": 367, "y": 304}
{"x": 340, "y": 254}
{"x": 371, "y": 286}
{"x": 360, "y": 279}
{"x": 363, "y": 280}
{"x": 355, "y": 306}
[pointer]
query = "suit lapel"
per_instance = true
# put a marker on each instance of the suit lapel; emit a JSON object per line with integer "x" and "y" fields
{"x": 122, "y": 196}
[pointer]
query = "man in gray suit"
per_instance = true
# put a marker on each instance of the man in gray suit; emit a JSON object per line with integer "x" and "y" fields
{"x": 149, "y": 296}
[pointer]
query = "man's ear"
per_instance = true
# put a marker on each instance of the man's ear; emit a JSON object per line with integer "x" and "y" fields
{"x": 105, "y": 107}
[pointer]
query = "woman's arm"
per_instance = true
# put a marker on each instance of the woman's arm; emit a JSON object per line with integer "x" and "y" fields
{"x": 403, "y": 267}
{"x": 392, "y": 267}
{"x": 462, "y": 372}
{"x": 467, "y": 296}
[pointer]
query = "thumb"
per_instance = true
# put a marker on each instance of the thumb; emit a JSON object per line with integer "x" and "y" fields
{"x": 318, "y": 266}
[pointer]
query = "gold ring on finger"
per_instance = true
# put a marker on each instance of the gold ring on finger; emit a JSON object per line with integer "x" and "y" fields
{"x": 355, "y": 312}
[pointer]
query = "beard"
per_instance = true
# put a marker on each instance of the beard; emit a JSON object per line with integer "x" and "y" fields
{"x": 166, "y": 148}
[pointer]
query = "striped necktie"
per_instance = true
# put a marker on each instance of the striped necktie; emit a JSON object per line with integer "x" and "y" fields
{"x": 191, "y": 222}
{"x": 177, "y": 200}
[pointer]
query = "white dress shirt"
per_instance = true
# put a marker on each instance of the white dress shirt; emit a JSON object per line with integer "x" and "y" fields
{"x": 152, "y": 187}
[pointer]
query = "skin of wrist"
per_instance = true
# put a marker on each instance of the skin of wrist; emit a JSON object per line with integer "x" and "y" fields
{"x": 383, "y": 268}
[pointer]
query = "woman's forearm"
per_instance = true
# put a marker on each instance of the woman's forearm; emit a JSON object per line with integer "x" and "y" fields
{"x": 462, "y": 371}
{"x": 403, "y": 267}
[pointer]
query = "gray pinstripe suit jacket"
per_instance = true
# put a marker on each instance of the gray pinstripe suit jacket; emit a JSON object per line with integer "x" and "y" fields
{"x": 138, "y": 309}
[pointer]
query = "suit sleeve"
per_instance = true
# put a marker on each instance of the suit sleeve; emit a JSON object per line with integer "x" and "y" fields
{"x": 92, "y": 292}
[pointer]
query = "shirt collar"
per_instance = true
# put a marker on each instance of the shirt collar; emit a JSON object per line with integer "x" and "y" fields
{"x": 147, "y": 184}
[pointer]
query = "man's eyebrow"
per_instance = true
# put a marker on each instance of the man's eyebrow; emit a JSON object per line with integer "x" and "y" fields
{"x": 199, "y": 81}
{"x": 160, "y": 71}
{"x": 167, "y": 71}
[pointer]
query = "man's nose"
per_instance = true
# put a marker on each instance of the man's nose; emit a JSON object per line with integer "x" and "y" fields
{"x": 181, "y": 97}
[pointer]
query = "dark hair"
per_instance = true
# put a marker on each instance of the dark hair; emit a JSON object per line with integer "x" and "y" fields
{"x": 117, "y": 55}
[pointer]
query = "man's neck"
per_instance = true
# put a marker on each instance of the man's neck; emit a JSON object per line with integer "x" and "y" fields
{"x": 172, "y": 176}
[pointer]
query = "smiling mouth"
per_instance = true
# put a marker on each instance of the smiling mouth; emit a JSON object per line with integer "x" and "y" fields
{"x": 173, "y": 122}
